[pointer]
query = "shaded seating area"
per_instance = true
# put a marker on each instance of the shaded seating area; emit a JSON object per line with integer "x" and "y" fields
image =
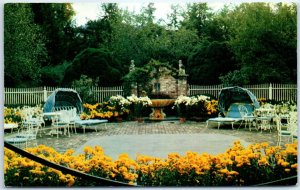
{"x": 236, "y": 105}
{"x": 63, "y": 108}
{"x": 31, "y": 122}
{"x": 63, "y": 99}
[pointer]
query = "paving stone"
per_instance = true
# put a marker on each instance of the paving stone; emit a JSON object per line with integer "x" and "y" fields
{"x": 63, "y": 143}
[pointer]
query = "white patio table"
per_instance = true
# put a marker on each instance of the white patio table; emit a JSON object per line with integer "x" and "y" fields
{"x": 10, "y": 126}
{"x": 53, "y": 116}
{"x": 264, "y": 118}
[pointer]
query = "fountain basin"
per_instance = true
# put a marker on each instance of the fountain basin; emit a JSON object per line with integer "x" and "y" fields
{"x": 157, "y": 103}
{"x": 157, "y": 108}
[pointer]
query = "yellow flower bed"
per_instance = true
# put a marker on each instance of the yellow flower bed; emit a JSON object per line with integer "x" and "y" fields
{"x": 237, "y": 166}
{"x": 102, "y": 111}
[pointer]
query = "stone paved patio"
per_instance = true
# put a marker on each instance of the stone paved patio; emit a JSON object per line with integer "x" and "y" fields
{"x": 63, "y": 143}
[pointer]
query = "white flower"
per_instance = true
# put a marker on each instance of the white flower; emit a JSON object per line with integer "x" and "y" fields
{"x": 136, "y": 100}
{"x": 190, "y": 101}
{"x": 120, "y": 100}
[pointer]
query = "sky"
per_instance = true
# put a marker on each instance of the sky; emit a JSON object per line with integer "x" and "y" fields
{"x": 90, "y": 11}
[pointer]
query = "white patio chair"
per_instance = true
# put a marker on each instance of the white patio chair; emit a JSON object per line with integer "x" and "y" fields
{"x": 288, "y": 131}
{"x": 247, "y": 117}
{"x": 61, "y": 122}
{"x": 28, "y": 120}
{"x": 24, "y": 135}
{"x": 72, "y": 113}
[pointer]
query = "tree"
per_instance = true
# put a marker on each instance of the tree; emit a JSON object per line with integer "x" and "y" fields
{"x": 174, "y": 17}
{"x": 208, "y": 61}
{"x": 263, "y": 39}
{"x": 94, "y": 63}
{"x": 24, "y": 46}
{"x": 196, "y": 17}
{"x": 55, "y": 19}
{"x": 84, "y": 88}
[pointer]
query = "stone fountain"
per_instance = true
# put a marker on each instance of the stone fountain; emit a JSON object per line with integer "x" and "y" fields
{"x": 157, "y": 108}
{"x": 163, "y": 82}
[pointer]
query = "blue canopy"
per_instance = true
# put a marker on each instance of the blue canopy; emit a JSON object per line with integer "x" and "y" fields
{"x": 235, "y": 94}
{"x": 63, "y": 97}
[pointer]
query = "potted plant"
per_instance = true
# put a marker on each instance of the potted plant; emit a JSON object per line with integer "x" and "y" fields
{"x": 181, "y": 104}
{"x": 138, "y": 104}
{"x": 120, "y": 106}
{"x": 198, "y": 107}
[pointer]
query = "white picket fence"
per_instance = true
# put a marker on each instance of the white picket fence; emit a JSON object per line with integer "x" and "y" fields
{"x": 277, "y": 92}
{"x": 38, "y": 95}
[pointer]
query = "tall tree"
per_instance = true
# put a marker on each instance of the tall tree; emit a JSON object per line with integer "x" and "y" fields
{"x": 263, "y": 39}
{"x": 196, "y": 17}
{"x": 24, "y": 46}
{"x": 174, "y": 17}
{"x": 56, "y": 21}
{"x": 208, "y": 61}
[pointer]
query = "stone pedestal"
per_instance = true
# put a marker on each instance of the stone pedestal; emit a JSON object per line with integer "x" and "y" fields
{"x": 182, "y": 85}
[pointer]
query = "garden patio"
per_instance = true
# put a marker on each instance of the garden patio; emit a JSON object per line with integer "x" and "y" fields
{"x": 132, "y": 136}
{"x": 115, "y": 131}
{"x": 192, "y": 94}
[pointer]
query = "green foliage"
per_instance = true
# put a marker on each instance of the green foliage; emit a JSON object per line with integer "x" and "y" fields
{"x": 259, "y": 39}
{"x": 263, "y": 39}
{"x": 55, "y": 19}
{"x": 53, "y": 75}
{"x": 235, "y": 78}
{"x": 208, "y": 61}
{"x": 94, "y": 63}
{"x": 196, "y": 17}
{"x": 84, "y": 88}
{"x": 24, "y": 46}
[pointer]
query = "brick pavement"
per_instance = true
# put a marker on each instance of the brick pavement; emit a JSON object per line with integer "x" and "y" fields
{"x": 63, "y": 143}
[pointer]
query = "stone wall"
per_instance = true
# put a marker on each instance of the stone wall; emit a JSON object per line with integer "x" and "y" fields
{"x": 182, "y": 86}
{"x": 171, "y": 86}
{"x": 168, "y": 85}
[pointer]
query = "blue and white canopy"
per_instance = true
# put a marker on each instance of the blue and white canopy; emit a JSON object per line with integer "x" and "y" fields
{"x": 63, "y": 97}
{"x": 235, "y": 94}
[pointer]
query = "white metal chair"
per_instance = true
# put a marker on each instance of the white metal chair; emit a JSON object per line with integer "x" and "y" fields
{"x": 30, "y": 119}
{"x": 62, "y": 121}
{"x": 247, "y": 117}
{"x": 289, "y": 131}
{"x": 72, "y": 113}
{"x": 24, "y": 134}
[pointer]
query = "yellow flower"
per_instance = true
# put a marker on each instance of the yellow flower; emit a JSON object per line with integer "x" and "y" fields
{"x": 294, "y": 166}
{"x": 233, "y": 173}
{"x": 112, "y": 175}
{"x": 224, "y": 171}
{"x": 263, "y": 161}
{"x": 284, "y": 164}
{"x": 131, "y": 183}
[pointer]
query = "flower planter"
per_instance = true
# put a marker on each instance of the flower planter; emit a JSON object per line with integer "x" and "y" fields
{"x": 119, "y": 119}
{"x": 182, "y": 119}
{"x": 140, "y": 120}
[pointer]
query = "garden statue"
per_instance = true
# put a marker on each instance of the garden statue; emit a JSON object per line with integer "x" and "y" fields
{"x": 181, "y": 69}
{"x": 132, "y": 66}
